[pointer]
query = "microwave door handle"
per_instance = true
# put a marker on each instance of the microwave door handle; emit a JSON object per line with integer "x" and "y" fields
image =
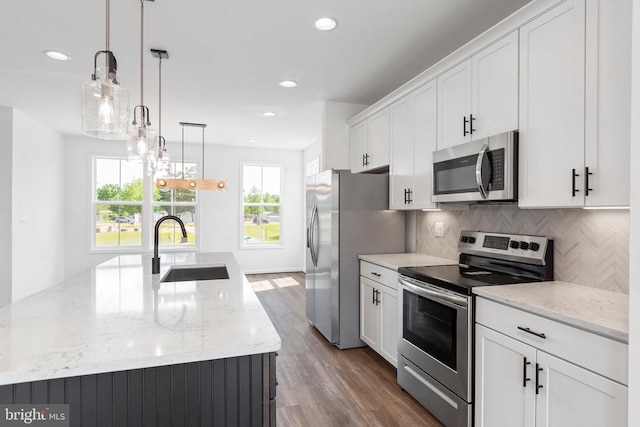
{"x": 482, "y": 161}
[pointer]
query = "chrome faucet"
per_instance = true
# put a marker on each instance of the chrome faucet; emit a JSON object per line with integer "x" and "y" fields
{"x": 155, "y": 262}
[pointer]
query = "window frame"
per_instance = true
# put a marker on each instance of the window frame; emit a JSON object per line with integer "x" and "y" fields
{"x": 241, "y": 243}
{"x": 147, "y": 213}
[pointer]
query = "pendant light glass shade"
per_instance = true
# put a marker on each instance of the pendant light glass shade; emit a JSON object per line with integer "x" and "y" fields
{"x": 105, "y": 110}
{"x": 141, "y": 144}
{"x": 105, "y": 105}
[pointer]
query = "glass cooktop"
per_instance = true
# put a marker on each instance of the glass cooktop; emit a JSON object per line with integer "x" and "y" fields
{"x": 462, "y": 278}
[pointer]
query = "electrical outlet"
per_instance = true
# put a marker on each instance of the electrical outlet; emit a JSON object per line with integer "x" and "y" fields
{"x": 439, "y": 229}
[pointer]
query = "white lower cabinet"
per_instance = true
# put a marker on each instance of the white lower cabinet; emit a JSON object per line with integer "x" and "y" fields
{"x": 518, "y": 384}
{"x": 379, "y": 310}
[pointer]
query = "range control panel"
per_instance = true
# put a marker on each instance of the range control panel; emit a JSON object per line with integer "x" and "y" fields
{"x": 507, "y": 246}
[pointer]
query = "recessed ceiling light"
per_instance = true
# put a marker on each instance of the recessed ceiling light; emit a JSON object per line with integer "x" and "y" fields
{"x": 57, "y": 55}
{"x": 269, "y": 114}
{"x": 253, "y": 141}
{"x": 288, "y": 83}
{"x": 325, "y": 24}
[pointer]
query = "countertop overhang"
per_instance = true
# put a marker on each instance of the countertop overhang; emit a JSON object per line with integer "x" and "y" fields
{"x": 117, "y": 316}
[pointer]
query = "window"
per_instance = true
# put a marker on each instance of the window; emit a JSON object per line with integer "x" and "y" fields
{"x": 117, "y": 203}
{"x": 261, "y": 201}
{"x": 124, "y": 196}
{"x": 181, "y": 203}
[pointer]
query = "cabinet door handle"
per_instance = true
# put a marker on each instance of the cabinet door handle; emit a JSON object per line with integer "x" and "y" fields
{"x": 410, "y": 196}
{"x": 529, "y": 331}
{"x": 376, "y": 274}
{"x": 574, "y": 175}
{"x": 464, "y": 126}
{"x": 524, "y": 373}
{"x": 363, "y": 160}
{"x": 405, "y": 196}
{"x": 471, "y": 119}
{"x": 586, "y": 181}
{"x": 373, "y": 296}
{"x": 377, "y": 297}
{"x": 538, "y": 386}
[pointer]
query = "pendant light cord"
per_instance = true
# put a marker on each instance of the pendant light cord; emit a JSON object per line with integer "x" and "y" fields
{"x": 108, "y": 23}
{"x": 159, "y": 101}
{"x": 202, "y": 153}
{"x": 144, "y": 122}
{"x": 182, "y": 151}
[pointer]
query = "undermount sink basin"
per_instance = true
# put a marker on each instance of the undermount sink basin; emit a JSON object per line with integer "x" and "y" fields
{"x": 191, "y": 273}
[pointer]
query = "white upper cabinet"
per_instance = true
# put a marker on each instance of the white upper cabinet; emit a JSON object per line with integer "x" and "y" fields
{"x": 479, "y": 97}
{"x": 358, "y": 142}
{"x": 608, "y": 102}
{"x": 494, "y": 103}
{"x": 413, "y": 140}
{"x": 454, "y": 105}
{"x": 369, "y": 141}
{"x": 575, "y": 106}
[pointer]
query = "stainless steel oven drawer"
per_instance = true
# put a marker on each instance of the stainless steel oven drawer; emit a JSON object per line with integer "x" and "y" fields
{"x": 443, "y": 404}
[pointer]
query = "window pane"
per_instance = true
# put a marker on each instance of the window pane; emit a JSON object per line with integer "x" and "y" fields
{"x": 252, "y": 184}
{"x": 118, "y": 180}
{"x": 118, "y": 225}
{"x": 170, "y": 232}
{"x": 260, "y": 226}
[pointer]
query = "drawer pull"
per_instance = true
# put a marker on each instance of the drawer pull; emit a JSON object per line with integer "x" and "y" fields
{"x": 524, "y": 373}
{"x": 376, "y": 274}
{"x": 529, "y": 331}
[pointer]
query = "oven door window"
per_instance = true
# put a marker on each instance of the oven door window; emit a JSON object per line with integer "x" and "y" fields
{"x": 430, "y": 326}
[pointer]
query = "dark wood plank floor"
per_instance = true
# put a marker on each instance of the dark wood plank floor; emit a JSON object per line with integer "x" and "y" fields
{"x": 320, "y": 385}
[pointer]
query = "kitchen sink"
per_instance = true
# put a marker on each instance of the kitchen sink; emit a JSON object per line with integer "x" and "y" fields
{"x": 191, "y": 273}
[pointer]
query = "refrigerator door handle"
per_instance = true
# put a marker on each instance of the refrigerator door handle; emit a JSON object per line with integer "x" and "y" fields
{"x": 313, "y": 246}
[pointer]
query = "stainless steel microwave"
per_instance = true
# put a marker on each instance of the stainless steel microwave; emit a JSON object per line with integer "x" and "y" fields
{"x": 482, "y": 170}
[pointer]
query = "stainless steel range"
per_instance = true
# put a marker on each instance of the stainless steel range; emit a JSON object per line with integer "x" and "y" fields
{"x": 435, "y": 362}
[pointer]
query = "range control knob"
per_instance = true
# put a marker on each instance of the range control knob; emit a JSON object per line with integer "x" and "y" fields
{"x": 524, "y": 245}
{"x": 464, "y": 239}
{"x": 534, "y": 246}
{"x": 514, "y": 244}
{"x": 472, "y": 239}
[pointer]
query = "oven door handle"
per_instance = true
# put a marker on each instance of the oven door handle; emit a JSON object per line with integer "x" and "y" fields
{"x": 483, "y": 168}
{"x": 446, "y": 299}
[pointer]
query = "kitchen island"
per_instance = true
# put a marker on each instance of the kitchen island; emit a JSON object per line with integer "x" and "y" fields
{"x": 121, "y": 348}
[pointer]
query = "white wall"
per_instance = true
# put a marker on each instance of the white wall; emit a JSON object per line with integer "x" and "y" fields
{"x": 6, "y": 149}
{"x": 37, "y": 207}
{"x": 634, "y": 228}
{"x": 219, "y": 211}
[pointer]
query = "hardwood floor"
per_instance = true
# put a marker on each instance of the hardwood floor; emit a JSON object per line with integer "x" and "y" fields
{"x": 320, "y": 385}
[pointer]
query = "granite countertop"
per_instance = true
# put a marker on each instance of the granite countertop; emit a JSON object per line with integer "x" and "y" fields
{"x": 395, "y": 261}
{"x": 595, "y": 310}
{"x": 114, "y": 317}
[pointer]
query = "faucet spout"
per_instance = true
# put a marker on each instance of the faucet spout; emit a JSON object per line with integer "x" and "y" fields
{"x": 155, "y": 262}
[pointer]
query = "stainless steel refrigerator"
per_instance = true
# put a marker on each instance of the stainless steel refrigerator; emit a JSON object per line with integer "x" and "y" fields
{"x": 347, "y": 215}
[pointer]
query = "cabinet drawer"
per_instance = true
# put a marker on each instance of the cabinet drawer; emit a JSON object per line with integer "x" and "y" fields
{"x": 382, "y": 275}
{"x": 599, "y": 354}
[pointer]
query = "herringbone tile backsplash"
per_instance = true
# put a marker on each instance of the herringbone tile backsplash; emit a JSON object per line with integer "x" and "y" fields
{"x": 591, "y": 246}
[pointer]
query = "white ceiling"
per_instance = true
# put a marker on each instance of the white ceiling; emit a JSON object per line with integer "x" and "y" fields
{"x": 227, "y": 57}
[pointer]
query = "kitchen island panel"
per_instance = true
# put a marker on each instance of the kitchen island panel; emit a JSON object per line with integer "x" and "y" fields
{"x": 222, "y": 392}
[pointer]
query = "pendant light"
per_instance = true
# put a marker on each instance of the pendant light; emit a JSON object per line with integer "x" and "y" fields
{"x": 160, "y": 161}
{"x": 142, "y": 138}
{"x": 192, "y": 184}
{"x": 105, "y": 105}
